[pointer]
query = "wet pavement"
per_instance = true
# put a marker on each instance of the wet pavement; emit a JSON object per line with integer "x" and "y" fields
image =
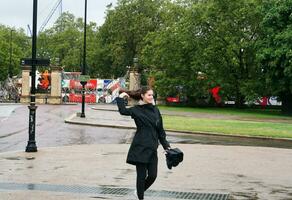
{"x": 6, "y": 110}
{"x": 106, "y": 192}
{"x": 230, "y": 141}
{"x": 245, "y": 168}
{"x": 52, "y": 131}
{"x": 246, "y": 173}
{"x": 107, "y": 116}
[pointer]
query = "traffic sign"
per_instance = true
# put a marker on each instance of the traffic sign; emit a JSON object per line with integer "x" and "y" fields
{"x": 84, "y": 78}
{"x": 38, "y": 62}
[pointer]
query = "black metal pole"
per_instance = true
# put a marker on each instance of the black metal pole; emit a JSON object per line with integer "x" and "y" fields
{"x": 31, "y": 145}
{"x": 83, "y": 83}
{"x": 84, "y": 40}
{"x": 10, "y": 59}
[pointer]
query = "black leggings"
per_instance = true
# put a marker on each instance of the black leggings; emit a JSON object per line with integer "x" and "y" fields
{"x": 149, "y": 169}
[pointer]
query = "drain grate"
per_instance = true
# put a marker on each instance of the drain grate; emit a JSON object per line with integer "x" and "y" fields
{"x": 112, "y": 191}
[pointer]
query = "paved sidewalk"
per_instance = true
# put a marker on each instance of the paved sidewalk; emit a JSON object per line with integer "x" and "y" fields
{"x": 99, "y": 171}
{"x": 105, "y": 116}
{"x": 243, "y": 172}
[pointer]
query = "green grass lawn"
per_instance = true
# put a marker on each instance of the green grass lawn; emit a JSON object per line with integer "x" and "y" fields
{"x": 229, "y": 126}
{"x": 248, "y": 112}
{"x": 233, "y": 127}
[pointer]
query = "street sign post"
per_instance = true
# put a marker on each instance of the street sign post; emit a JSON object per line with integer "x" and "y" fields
{"x": 84, "y": 78}
{"x": 37, "y": 62}
{"x": 83, "y": 81}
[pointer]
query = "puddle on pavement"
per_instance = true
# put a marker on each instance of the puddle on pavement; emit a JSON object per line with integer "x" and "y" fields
{"x": 119, "y": 178}
{"x": 244, "y": 196}
{"x": 99, "y": 198}
{"x": 59, "y": 167}
{"x": 19, "y": 158}
{"x": 30, "y": 186}
{"x": 227, "y": 140}
{"x": 112, "y": 153}
{"x": 13, "y": 158}
{"x": 30, "y": 158}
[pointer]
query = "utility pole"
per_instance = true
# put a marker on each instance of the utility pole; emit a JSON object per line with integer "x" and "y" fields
{"x": 31, "y": 145}
{"x": 33, "y": 62}
{"x": 10, "y": 59}
{"x": 84, "y": 82}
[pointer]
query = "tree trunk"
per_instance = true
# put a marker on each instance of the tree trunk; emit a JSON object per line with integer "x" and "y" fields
{"x": 287, "y": 103}
{"x": 239, "y": 98}
{"x": 239, "y": 101}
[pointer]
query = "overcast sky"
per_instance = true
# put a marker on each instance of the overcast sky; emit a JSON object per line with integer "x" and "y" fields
{"x": 18, "y": 13}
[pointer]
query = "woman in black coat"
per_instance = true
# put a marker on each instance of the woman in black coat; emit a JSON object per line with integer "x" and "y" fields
{"x": 143, "y": 150}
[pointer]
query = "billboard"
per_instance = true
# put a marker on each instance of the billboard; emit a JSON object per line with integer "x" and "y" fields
{"x": 96, "y": 90}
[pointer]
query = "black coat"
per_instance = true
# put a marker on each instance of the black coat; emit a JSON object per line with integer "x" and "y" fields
{"x": 149, "y": 131}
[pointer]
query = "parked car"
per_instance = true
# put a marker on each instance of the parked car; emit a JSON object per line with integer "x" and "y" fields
{"x": 175, "y": 100}
{"x": 171, "y": 99}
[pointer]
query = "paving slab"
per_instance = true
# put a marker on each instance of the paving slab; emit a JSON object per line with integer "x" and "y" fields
{"x": 242, "y": 172}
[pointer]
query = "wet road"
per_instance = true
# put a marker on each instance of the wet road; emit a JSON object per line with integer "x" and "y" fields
{"x": 230, "y": 141}
{"x": 50, "y": 128}
{"x": 51, "y": 131}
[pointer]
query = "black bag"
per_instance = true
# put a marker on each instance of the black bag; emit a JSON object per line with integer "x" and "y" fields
{"x": 173, "y": 157}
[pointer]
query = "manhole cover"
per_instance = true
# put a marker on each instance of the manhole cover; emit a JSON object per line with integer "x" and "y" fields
{"x": 113, "y": 191}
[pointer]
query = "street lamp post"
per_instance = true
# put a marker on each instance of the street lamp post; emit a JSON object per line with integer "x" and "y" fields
{"x": 135, "y": 63}
{"x": 83, "y": 83}
{"x": 31, "y": 145}
{"x": 10, "y": 59}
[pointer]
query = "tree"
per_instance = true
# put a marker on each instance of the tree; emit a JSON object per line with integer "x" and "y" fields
{"x": 228, "y": 32}
{"x": 20, "y": 49}
{"x": 170, "y": 52}
{"x": 63, "y": 42}
{"x": 124, "y": 30}
{"x": 209, "y": 40}
{"x": 275, "y": 51}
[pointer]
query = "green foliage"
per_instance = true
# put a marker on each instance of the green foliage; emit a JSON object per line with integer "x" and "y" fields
{"x": 213, "y": 38}
{"x": 63, "y": 42}
{"x": 228, "y": 31}
{"x": 19, "y": 49}
{"x": 275, "y": 51}
{"x": 124, "y": 30}
{"x": 171, "y": 51}
{"x": 242, "y": 45}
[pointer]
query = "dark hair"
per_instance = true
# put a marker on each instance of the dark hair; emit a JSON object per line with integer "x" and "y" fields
{"x": 136, "y": 94}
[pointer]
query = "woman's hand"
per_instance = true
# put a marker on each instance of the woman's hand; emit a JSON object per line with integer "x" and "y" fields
{"x": 124, "y": 94}
{"x": 165, "y": 150}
